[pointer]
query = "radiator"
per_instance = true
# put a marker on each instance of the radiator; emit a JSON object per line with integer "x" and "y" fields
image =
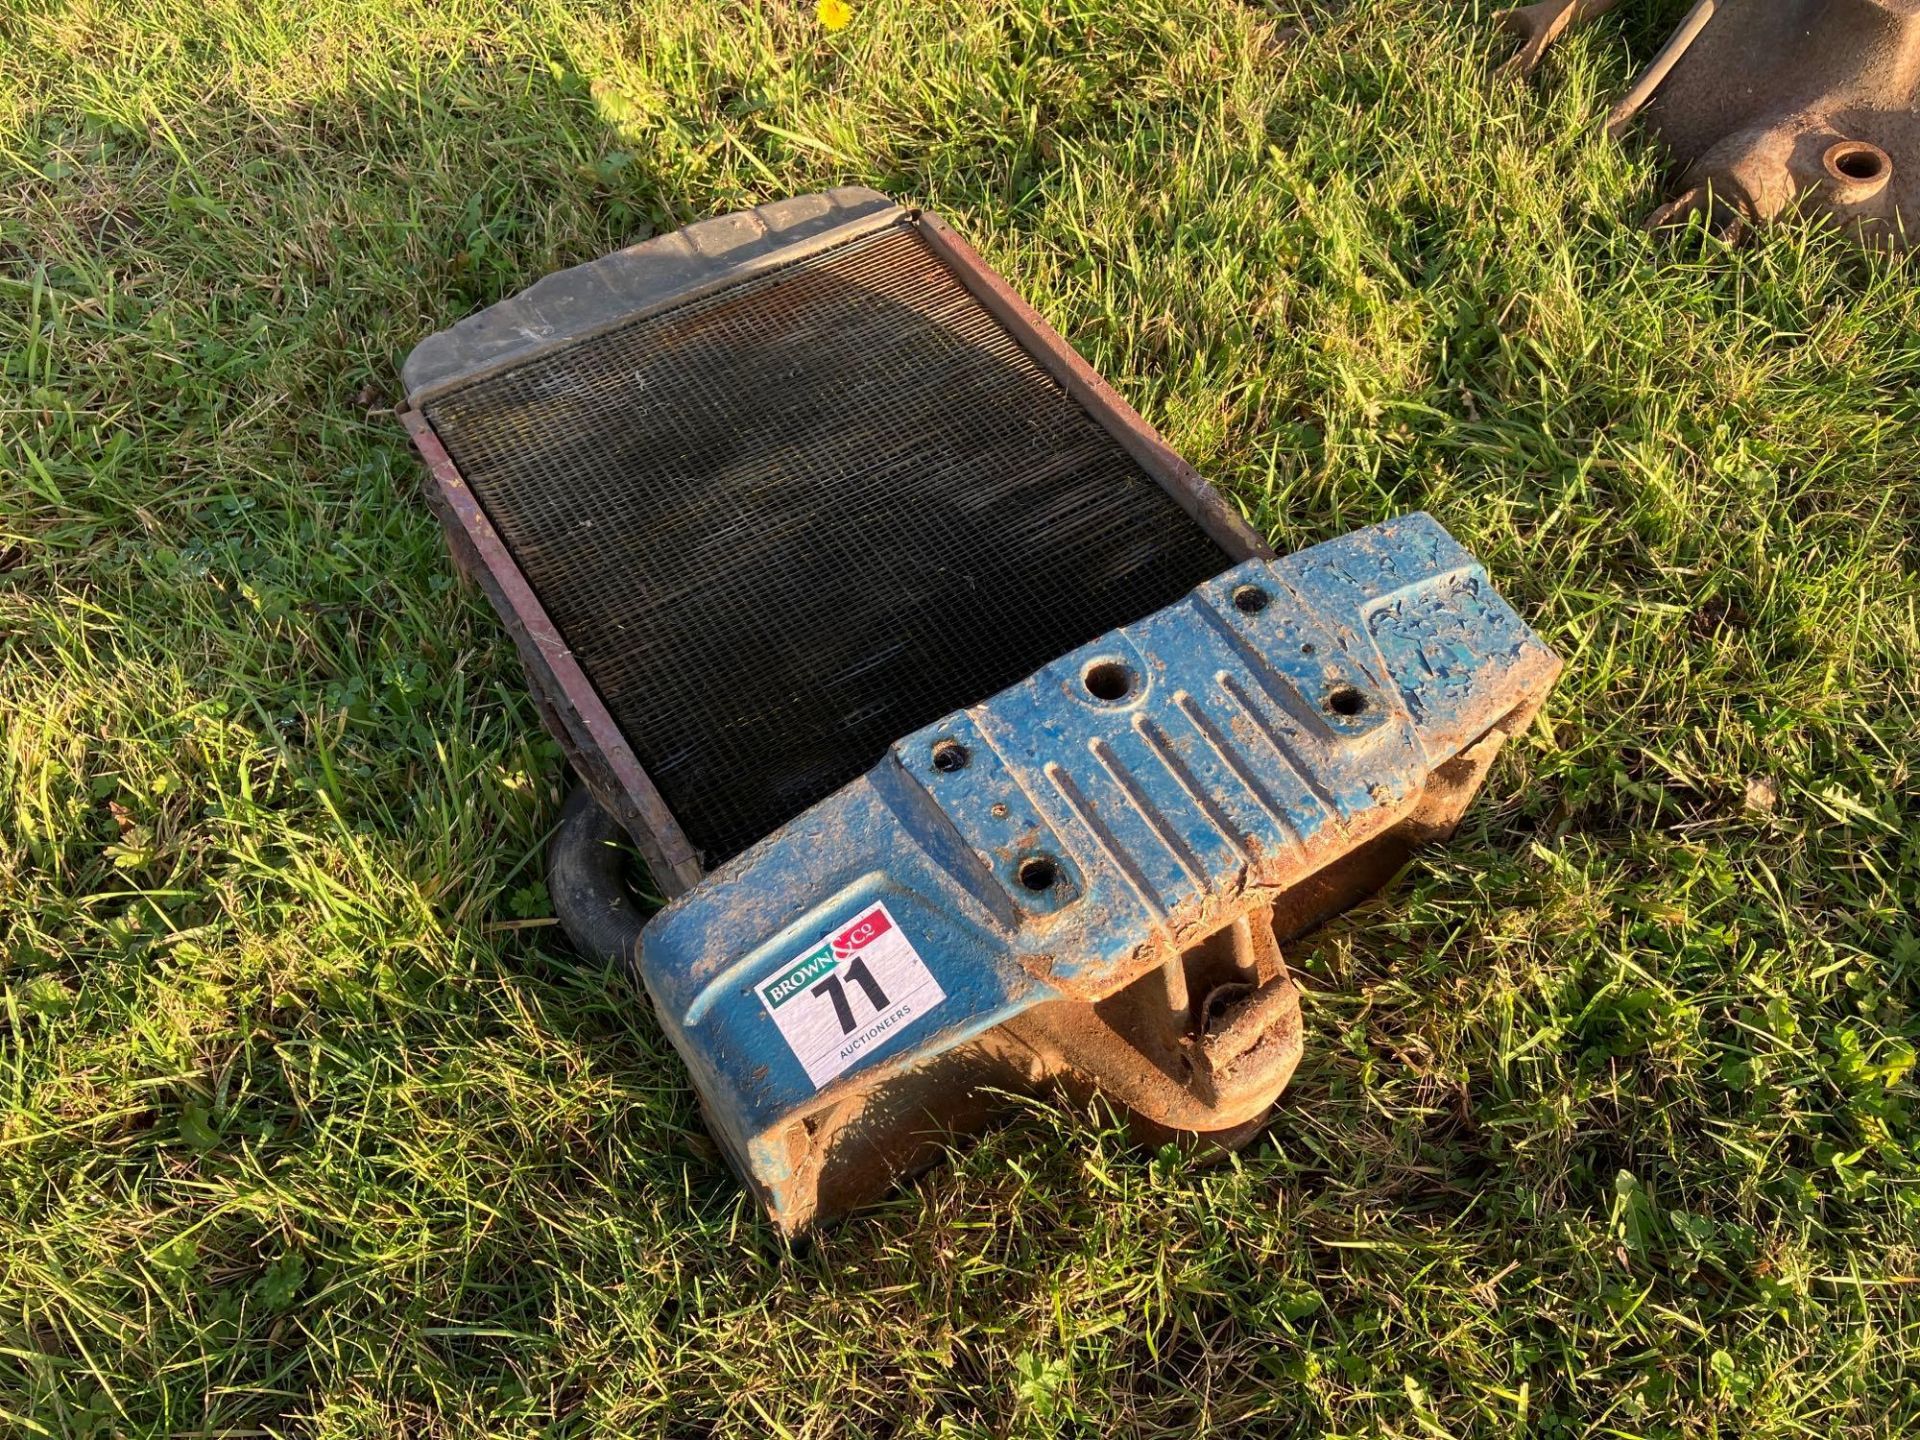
{"x": 981, "y": 746}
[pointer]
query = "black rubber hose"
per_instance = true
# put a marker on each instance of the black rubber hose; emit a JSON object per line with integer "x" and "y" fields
{"x": 586, "y": 876}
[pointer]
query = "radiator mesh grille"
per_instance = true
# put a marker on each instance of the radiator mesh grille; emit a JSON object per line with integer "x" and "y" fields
{"x": 783, "y": 524}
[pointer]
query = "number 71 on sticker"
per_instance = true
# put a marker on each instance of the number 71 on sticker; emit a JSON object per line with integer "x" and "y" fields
{"x": 837, "y": 1001}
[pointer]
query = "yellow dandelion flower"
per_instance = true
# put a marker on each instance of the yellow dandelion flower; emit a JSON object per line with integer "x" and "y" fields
{"x": 832, "y": 14}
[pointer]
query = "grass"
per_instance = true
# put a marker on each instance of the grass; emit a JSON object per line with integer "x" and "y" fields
{"x": 308, "y": 1126}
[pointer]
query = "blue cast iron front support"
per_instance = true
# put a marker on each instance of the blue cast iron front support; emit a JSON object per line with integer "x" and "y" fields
{"x": 1084, "y": 880}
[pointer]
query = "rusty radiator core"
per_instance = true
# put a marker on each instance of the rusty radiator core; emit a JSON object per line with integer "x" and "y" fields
{"x": 783, "y": 523}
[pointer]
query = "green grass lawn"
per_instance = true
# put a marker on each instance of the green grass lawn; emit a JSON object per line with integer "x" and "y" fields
{"x": 311, "y": 1125}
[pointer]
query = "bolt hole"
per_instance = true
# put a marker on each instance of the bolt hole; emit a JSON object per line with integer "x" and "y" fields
{"x": 1039, "y": 872}
{"x": 1108, "y": 680}
{"x": 1309, "y": 648}
{"x": 1250, "y": 599}
{"x": 1861, "y": 162}
{"x": 1219, "y": 1001}
{"x": 949, "y": 756}
{"x": 1346, "y": 701}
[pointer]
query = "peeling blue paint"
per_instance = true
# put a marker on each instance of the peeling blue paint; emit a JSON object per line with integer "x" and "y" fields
{"x": 1159, "y": 780}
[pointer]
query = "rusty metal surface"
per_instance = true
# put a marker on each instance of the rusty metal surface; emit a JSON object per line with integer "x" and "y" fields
{"x": 568, "y": 703}
{"x": 1539, "y": 25}
{"x": 1771, "y": 108}
{"x": 1200, "y": 1046}
{"x": 1807, "y": 105}
{"x": 1099, "y": 875}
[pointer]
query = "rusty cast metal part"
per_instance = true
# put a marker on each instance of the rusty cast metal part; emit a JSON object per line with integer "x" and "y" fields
{"x": 1772, "y": 108}
{"x": 1538, "y": 26}
{"x": 1085, "y": 881}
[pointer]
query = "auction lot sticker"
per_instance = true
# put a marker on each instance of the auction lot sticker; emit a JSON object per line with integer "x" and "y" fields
{"x": 839, "y": 999}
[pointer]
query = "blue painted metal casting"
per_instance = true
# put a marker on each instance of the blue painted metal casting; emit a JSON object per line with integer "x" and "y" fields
{"x": 1084, "y": 879}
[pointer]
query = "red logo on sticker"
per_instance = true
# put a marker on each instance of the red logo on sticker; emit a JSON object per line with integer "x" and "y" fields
{"x": 863, "y": 932}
